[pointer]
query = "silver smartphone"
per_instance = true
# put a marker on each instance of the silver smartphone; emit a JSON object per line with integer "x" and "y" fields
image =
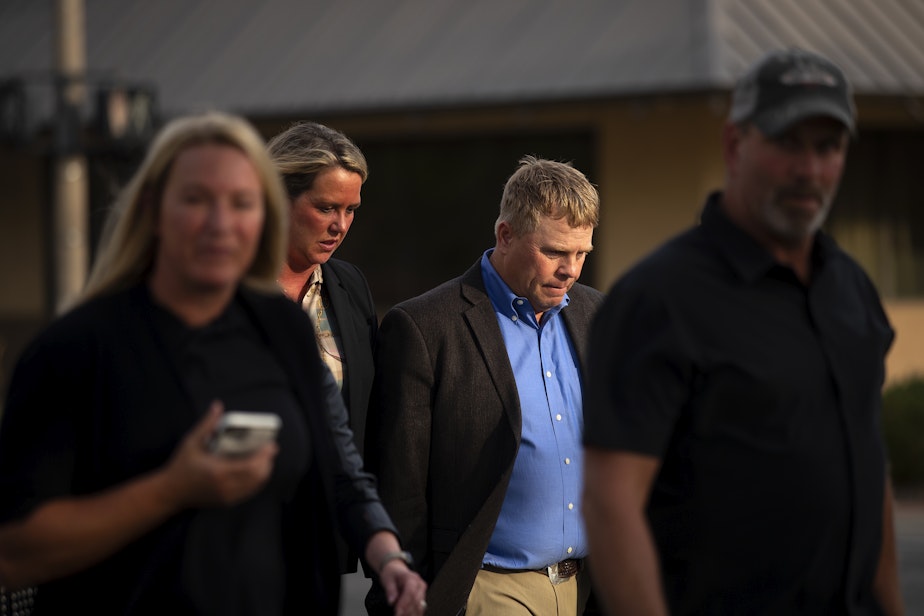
{"x": 240, "y": 433}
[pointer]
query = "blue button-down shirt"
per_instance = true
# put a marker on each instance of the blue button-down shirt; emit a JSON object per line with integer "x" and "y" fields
{"x": 540, "y": 521}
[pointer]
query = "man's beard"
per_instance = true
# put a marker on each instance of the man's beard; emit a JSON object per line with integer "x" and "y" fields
{"x": 793, "y": 229}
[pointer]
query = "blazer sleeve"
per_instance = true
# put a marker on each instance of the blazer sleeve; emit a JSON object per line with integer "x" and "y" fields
{"x": 360, "y": 511}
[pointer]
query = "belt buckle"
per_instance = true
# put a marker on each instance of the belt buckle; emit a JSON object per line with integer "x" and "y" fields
{"x": 553, "y": 575}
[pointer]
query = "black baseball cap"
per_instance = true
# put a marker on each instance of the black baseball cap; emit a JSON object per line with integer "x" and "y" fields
{"x": 784, "y": 87}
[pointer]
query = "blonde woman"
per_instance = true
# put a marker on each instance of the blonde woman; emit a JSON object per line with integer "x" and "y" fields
{"x": 109, "y": 495}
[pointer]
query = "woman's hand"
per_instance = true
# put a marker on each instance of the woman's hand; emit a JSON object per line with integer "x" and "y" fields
{"x": 65, "y": 535}
{"x": 404, "y": 589}
{"x": 200, "y": 478}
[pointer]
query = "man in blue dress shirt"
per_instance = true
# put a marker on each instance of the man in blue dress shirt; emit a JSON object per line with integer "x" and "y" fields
{"x": 476, "y": 421}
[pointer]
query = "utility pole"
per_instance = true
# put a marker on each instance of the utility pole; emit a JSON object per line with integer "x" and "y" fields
{"x": 70, "y": 216}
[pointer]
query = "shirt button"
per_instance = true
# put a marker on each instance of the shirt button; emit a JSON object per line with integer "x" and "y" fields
{"x": 567, "y": 460}
{"x": 513, "y": 317}
{"x": 519, "y": 302}
{"x": 570, "y": 549}
{"x": 570, "y": 506}
{"x": 548, "y": 373}
{"x": 558, "y": 417}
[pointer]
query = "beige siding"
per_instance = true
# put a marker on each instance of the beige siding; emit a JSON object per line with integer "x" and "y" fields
{"x": 660, "y": 160}
{"x": 906, "y": 358}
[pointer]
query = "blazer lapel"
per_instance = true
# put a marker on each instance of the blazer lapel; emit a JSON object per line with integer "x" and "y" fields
{"x": 482, "y": 320}
{"x": 342, "y": 306}
{"x": 577, "y": 320}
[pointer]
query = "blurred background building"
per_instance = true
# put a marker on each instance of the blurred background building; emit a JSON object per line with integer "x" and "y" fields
{"x": 444, "y": 96}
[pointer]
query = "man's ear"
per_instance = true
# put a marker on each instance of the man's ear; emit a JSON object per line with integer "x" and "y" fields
{"x": 731, "y": 143}
{"x": 504, "y": 234}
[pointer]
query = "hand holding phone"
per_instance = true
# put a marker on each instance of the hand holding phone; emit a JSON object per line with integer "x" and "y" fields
{"x": 240, "y": 433}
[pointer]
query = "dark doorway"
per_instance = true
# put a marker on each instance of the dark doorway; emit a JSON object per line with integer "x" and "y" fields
{"x": 429, "y": 205}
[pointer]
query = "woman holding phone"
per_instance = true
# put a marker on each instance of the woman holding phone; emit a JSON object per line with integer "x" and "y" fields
{"x": 110, "y": 497}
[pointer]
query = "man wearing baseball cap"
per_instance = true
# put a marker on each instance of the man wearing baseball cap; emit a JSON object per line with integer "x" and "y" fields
{"x": 734, "y": 462}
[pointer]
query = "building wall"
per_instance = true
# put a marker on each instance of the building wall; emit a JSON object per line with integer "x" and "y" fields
{"x": 656, "y": 160}
{"x": 660, "y": 160}
{"x": 906, "y": 359}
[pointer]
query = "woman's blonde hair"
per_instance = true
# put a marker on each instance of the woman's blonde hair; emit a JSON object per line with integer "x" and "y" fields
{"x": 129, "y": 243}
{"x": 305, "y": 149}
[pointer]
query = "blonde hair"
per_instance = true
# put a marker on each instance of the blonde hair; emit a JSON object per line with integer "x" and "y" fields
{"x": 546, "y": 188}
{"x": 129, "y": 243}
{"x": 305, "y": 149}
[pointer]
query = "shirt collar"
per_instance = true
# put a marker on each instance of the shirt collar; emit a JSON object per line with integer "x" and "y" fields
{"x": 743, "y": 254}
{"x": 316, "y": 276}
{"x": 508, "y": 303}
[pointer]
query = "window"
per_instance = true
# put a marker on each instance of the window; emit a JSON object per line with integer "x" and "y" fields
{"x": 879, "y": 213}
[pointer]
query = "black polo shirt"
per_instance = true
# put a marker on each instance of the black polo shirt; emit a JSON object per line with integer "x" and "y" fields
{"x": 761, "y": 396}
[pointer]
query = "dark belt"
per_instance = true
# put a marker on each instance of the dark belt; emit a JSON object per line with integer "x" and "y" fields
{"x": 566, "y": 568}
{"x": 563, "y": 570}
{"x": 558, "y": 572}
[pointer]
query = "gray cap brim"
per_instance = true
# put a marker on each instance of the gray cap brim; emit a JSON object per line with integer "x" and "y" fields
{"x": 776, "y": 121}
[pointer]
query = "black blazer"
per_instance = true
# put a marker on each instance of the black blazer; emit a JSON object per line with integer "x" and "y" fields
{"x": 353, "y": 308}
{"x": 444, "y": 427}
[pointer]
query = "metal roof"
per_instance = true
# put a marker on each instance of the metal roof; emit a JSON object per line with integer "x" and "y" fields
{"x": 302, "y": 56}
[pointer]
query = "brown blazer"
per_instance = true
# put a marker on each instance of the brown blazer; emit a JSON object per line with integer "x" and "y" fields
{"x": 444, "y": 427}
